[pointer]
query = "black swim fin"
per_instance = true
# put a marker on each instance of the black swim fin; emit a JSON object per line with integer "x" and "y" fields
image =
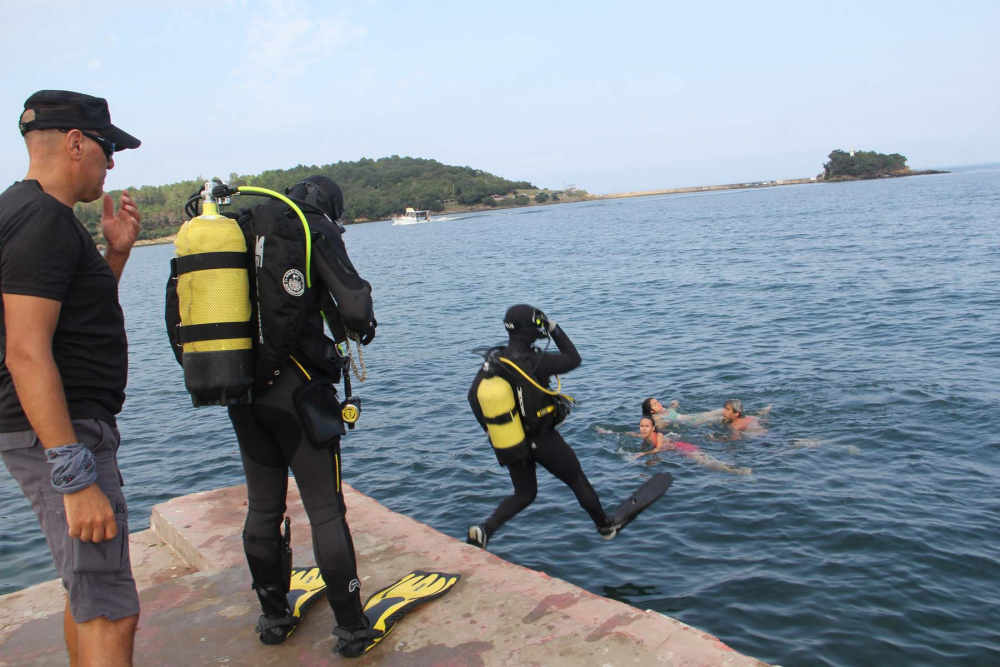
{"x": 386, "y": 608}
{"x": 647, "y": 494}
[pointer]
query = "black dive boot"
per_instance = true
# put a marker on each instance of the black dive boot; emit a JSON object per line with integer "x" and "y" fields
{"x": 352, "y": 642}
{"x": 478, "y": 537}
{"x": 277, "y": 622}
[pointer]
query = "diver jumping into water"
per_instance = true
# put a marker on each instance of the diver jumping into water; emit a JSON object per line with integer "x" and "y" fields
{"x": 547, "y": 448}
{"x": 538, "y": 410}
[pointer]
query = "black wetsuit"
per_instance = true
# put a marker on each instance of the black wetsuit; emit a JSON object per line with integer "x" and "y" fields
{"x": 548, "y": 448}
{"x": 272, "y": 440}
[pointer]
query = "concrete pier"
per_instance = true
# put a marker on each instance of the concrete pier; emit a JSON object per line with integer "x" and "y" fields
{"x": 198, "y": 609}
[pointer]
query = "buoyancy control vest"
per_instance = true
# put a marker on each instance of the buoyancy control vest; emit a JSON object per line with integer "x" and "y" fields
{"x": 284, "y": 313}
{"x": 512, "y": 406}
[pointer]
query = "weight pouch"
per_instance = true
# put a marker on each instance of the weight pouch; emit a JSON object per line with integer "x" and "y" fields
{"x": 319, "y": 411}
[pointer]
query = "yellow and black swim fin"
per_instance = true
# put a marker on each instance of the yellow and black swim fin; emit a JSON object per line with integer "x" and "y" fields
{"x": 386, "y": 608}
{"x": 306, "y": 586}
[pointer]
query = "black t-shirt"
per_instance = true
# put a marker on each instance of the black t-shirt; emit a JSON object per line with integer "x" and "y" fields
{"x": 46, "y": 252}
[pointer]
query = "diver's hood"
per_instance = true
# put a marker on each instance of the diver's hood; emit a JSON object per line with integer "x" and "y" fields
{"x": 321, "y": 192}
{"x": 520, "y": 323}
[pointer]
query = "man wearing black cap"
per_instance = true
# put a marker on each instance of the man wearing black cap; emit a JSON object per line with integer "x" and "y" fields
{"x": 63, "y": 373}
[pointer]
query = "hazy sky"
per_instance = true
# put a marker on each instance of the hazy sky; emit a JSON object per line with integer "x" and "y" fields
{"x": 611, "y": 97}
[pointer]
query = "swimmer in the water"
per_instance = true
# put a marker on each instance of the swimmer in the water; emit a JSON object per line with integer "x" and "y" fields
{"x": 661, "y": 443}
{"x": 665, "y": 415}
{"x": 739, "y": 422}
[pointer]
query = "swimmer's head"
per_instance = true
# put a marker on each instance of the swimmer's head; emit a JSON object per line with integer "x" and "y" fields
{"x": 732, "y": 409}
{"x": 646, "y": 426}
{"x": 651, "y": 406}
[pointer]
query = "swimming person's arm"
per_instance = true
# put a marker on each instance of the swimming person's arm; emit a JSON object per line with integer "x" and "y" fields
{"x": 699, "y": 418}
{"x": 658, "y": 446}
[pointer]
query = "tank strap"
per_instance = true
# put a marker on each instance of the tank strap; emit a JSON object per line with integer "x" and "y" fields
{"x": 207, "y": 260}
{"x": 194, "y": 333}
{"x": 504, "y": 418}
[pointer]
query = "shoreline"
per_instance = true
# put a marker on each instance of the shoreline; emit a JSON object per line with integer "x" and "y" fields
{"x": 755, "y": 185}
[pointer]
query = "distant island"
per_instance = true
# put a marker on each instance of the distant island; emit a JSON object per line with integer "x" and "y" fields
{"x": 379, "y": 189}
{"x": 862, "y": 165}
{"x": 373, "y": 190}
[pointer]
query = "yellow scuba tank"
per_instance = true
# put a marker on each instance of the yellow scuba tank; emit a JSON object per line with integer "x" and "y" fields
{"x": 213, "y": 291}
{"x": 503, "y": 421}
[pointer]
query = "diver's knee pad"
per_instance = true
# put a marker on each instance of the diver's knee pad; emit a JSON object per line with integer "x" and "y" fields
{"x": 269, "y": 558}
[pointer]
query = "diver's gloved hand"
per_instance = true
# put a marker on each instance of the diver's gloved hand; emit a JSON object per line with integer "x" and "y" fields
{"x": 542, "y": 321}
{"x": 369, "y": 335}
{"x": 550, "y": 325}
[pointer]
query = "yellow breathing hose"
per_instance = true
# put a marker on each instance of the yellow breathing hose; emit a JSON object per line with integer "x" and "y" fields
{"x": 249, "y": 189}
{"x": 538, "y": 386}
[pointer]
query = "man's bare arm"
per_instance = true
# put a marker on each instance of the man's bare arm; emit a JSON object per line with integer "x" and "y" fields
{"x": 31, "y": 322}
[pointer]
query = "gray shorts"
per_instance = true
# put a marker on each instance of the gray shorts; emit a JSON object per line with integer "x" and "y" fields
{"x": 97, "y": 577}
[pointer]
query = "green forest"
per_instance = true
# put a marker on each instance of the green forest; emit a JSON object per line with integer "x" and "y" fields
{"x": 373, "y": 190}
{"x": 863, "y": 164}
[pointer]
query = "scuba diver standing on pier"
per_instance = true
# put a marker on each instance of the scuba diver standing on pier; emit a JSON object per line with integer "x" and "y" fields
{"x": 299, "y": 276}
{"x": 523, "y": 432}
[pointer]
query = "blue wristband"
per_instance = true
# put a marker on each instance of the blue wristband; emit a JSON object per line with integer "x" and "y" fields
{"x": 73, "y": 467}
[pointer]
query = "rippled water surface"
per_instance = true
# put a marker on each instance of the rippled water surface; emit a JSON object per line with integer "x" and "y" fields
{"x": 867, "y": 314}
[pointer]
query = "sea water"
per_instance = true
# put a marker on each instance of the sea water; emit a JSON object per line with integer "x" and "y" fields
{"x": 867, "y": 314}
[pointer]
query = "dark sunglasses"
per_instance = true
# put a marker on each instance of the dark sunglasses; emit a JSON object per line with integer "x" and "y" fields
{"x": 106, "y": 144}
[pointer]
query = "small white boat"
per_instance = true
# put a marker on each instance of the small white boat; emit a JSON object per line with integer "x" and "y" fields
{"x": 411, "y": 217}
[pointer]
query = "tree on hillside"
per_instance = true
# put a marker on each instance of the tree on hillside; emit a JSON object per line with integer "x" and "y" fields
{"x": 373, "y": 190}
{"x": 863, "y": 164}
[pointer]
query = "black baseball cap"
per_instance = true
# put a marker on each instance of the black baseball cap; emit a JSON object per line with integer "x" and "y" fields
{"x": 66, "y": 110}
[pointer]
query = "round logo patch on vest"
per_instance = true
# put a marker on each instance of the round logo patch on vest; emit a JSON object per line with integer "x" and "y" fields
{"x": 294, "y": 282}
